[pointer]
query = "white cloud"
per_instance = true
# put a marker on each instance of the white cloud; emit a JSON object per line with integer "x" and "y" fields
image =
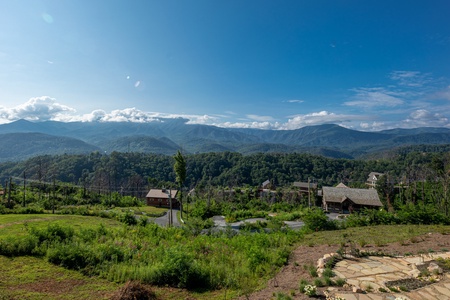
{"x": 372, "y": 97}
{"x": 425, "y": 118}
{"x": 46, "y": 108}
{"x": 250, "y": 125}
{"x": 36, "y": 109}
{"x": 295, "y": 101}
{"x": 322, "y": 117}
{"x": 410, "y": 78}
{"x": 374, "y": 126}
{"x": 260, "y": 118}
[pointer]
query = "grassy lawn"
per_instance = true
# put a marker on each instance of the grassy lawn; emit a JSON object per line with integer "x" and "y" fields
{"x": 148, "y": 210}
{"x": 375, "y": 235}
{"x": 34, "y": 278}
{"x": 14, "y": 225}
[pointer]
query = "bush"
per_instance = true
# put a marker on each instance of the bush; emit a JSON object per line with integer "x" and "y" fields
{"x": 53, "y": 233}
{"x": 423, "y": 214}
{"x": 178, "y": 268}
{"x": 316, "y": 220}
{"x": 18, "y": 247}
{"x": 195, "y": 225}
{"x": 72, "y": 256}
{"x": 128, "y": 218}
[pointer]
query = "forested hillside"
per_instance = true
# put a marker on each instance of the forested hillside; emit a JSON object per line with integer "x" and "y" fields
{"x": 24, "y": 139}
{"x": 134, "y": 173}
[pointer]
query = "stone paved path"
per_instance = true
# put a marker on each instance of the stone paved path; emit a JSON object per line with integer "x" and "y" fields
{"x": 372, "y": 272}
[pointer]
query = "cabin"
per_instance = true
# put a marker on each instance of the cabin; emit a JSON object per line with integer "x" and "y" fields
{"x": 373, "y": 178}
{"x": 348, "y": 200}
{"x": 160, "y": 198}
{"x": 305, "y": 187}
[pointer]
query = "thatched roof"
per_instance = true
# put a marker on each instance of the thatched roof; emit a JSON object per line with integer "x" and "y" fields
{"x": 341, "y": 185}
{"x": 367, "y": 197}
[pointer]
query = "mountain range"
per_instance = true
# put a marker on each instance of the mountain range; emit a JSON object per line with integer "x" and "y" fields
{"x": 23, "y": 139}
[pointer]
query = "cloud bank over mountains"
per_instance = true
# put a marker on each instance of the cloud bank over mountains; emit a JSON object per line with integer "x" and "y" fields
{"x": 412, "y": 100}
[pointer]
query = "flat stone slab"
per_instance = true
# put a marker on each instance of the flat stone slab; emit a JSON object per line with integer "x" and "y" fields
{"x": 371, "y": 274}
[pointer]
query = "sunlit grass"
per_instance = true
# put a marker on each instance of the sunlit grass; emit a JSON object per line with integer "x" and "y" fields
{"x": 149, "y": 210}
{"x": 375, "y": 235}
{"x": 21, "y": 278}
{"x": 15, "y": 225}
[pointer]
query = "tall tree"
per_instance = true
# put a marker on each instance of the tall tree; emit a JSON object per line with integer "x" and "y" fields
{"x": 180, "y": 172}
{"x": 385, "y": 187}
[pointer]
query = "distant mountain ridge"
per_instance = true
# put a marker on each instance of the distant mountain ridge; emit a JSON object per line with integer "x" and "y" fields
{"x": 168, "y": 135}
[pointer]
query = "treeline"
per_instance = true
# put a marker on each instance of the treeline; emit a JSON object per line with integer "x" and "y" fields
{"x": 133, "y": 173}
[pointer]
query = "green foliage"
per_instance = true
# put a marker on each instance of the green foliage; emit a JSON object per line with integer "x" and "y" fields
{"x": 369, "y": 217}
{"x": 316, "y": 220}
{"x": 422, "y": 214}
{"x": 53, "y": 233}
{"x": 201, "y": 209}
{"x": 195, "y": 225}
{"x": 160, "y": 256}
{"x": 120, "y": 201}
{"x": 12, "y": 246}
{"x": 128, "y": 218}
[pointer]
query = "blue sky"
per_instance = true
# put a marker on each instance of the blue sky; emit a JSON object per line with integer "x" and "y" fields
{"x": 366, "y": 65}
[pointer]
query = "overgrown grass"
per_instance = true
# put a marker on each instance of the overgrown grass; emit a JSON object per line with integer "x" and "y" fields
{"x": 21, "y": 278}
{"x": 218, "y": 263}
{"x": 374, "y": 235}
{"x": 155, "y": 255}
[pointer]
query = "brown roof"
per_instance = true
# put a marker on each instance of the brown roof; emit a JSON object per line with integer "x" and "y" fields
{"x": 161, "y": 193}
{"x": 341, "y": 185}
{"x": 358, "y": 196}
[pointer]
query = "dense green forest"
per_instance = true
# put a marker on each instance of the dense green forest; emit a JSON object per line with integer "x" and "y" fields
{"x": 134, "y": 173}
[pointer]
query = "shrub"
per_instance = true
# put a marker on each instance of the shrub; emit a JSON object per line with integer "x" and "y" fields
{"x": 316, "y": 220}
{"x": 18, "y": 247}
{"x": 310, "y": 290}
{"x": 128, "y": 218}
{"x": 53, "y": 233}
{"x": 72, "y": 256}
{"x": 421, "y": 214}
{"x": 179, "y": 268}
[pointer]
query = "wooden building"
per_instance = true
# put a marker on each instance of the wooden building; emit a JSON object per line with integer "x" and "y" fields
{"x": 160, "y": 198}
{"x": 347, "y": 200}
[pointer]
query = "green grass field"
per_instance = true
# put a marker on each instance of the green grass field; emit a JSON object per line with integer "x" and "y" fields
{"x": 15, "y": 225}
{"x": 35, "y": 278}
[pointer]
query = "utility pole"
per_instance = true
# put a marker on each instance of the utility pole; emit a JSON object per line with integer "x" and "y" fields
{"x": 170, "y": 210}
{"x": 54, "y": 195}
{"x": 309, "y": 192}
{"x": 9, "y": 193}
{"x": 24, "y": 189}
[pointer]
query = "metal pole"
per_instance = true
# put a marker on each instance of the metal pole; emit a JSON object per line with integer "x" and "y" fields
{"x": 24, "y": 189}
{"x": 309, "y": 193}
{"x": 170, "y": 205}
